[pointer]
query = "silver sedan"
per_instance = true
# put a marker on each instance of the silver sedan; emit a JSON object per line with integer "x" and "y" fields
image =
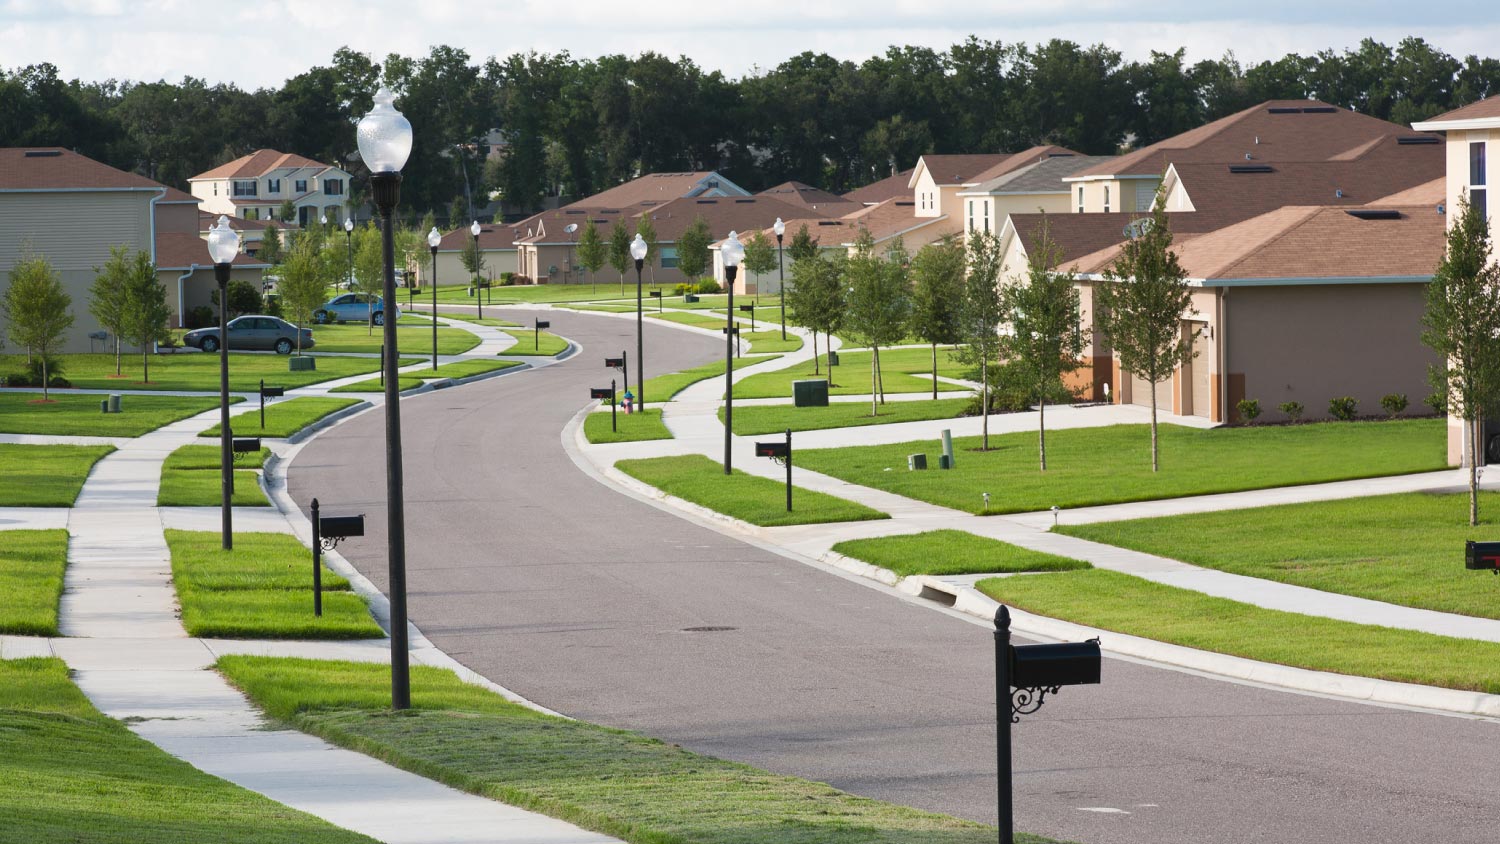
{"x": 252, "y": 333}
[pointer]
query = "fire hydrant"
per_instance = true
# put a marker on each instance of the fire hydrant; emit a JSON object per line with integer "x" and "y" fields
{"x": 629, "y": 402}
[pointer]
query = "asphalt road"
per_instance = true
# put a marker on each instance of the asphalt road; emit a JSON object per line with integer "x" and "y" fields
{"x": 584, "y": 600}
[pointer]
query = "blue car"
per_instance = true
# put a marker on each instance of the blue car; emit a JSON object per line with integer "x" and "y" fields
{"x": 353, "y": 307}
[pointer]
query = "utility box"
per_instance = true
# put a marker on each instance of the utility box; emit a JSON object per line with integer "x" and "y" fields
{"x": 833, "y": 358}
{"x": 301, "y": 364}
{"x": 690, "y": 298}
{"x": 916, "y": 462}
{"x": 810, "y": 393}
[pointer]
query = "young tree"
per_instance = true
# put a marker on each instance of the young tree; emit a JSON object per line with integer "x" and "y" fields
{"x": 619, "y": 251}
{"x": 937, "y": 294}
{"x": 1140, "y": 307}
{"x": 647, "y": 230}
{"x": 458, "y": 213}
{"x": 1045, "y": 337}
{"x": 879, "y": 302}
{"x": 816, "y": 299}
{"x": 287, "y": 212}
{"x": 243, "y": 298}
{"x": 37, "y": 310}
{"x": 409, "y": 247}
{"x": 980, "y": 314}
{"x": 146, "y": 309}
{"x": 424, "y": 253}
{"x": 803, "y": 245}
{"x": 592, "y": 251}
{"x": 304, "y": 286}
{"x": 270, "y": 245}
{"x": 760, "y": 255}
{"x": 369, "y": 269}
{"x": 692, "y": 250}
{"x": 107, "y": 295}
{"x": 1462, "y": 324}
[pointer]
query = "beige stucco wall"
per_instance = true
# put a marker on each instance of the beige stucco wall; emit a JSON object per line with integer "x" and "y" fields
{"x": 1124, "y": 195}
{"x": 1458, "y": 172}
{"x": 1000, "y": 207}
{"x": 450, "y": 266}
{"x": 197, "y": 289}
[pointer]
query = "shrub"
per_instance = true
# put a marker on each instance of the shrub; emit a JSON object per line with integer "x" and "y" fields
{"x": 1438, "y": 401}
{"x": 1005, "y": 397}
{"x": 684, "y": 289}
{"x": 1292, "y": 409}
{"x": 1393, "y": 403}
{"x": 32, "y": 377}
{"x": 201, "y": 317}
{"x": 708, "y": 285}
{"x": 273, "y": 305}
{"x": 521, "y": 279}
{"x": 1248, "y": 408}
{"x": 507, "y": 279}
{"x": 1343, "y": 408}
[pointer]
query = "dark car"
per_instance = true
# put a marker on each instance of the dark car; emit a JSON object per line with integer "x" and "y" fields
{"x": 254, "y": 332}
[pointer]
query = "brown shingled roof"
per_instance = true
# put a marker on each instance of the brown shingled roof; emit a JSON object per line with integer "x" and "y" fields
{"x": 1488, "y": 107}
{"x": 256, "y": 164}
{"x": 652, "y": 187}
{"x": 723, "y": 215}
{"x": 962, "y": 169}
{"x": 810, "y": 198}
{"x": 492, "y": 236}
{"x": 887, "y": 188}
{"x": 1319, "y": 242}
{"x": 181, "y": 250}
{"x": 883, "y": 220}
{"x": 55, "y": 168}
{"x": 1024, "y": 158}
{"x": 1430, "y": 193}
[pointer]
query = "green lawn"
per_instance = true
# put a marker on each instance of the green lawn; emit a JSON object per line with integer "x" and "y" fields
{"x": 466, "y": 368}
{"x": 664, "y": 387}
{"x": 646, "y": 425}
{"x": 284, "y": 417}
{"x": 260, "y": 590}
{"x": 1093, "y": 466}
{"x": 31, "y": 579}
{"x": 619, "y": 783}
{"x": 195, "y": 371}
{"x": 610, "y": 309}
{"x": 374, "y": 385}
{"x": 190, "y": 478}
{"x": 536, "y": 293}
{"x": 1401, "y": 549}
{"x": 714, "y": 323}
{"x": 770, "y": 341}
{"x": 416, "y": 340}
{"x": 951, "y": 552}
{"x": 852, "y": 375}
{"x": 772, "y": 418}
{"x": 492, "y": 323}
{"x": 757, "y": 500}
{"x": 528, "y": 342}
{"x": 73, "y": 776}
{"x": 73, "y": 415}
{"x": 45, "y": 475}
{"x": 1119, "y": 602}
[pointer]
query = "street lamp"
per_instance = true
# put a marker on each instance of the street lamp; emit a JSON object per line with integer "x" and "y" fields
{"x": 223, "y": 245}
{"x": 384, "y": 145}
{"x": 780, "y": 229}
{"x": 732, "y": 251}
{"x": 638, "y": 250}
{"x": 479, "y": 295}
{"x": 433, "y": 239}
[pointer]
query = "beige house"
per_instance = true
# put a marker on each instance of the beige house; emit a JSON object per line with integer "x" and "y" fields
{"x": 497, "y": 243}
{"x": 254, "y": 187}
{"x": 1032, "y": 188}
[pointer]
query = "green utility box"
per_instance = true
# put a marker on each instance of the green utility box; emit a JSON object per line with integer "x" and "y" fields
{"x": 690, "y": 299}
{"x": 810, "y": 393}
{"x": 301, "y": 364}
{"x": 833, "y": 358}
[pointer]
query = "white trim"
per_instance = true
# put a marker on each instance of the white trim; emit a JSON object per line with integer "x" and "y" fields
{"x": 1296, "y": 281}
{"x": 1114, "y": 177}
{"x": 1457, "y": 125}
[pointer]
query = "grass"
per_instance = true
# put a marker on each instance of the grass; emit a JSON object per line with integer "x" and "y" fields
{"x": 528, "y": 342}
{"x": 664, "y": 387}
{"x": 608, "y": 309}
{"x": 1401, "y": 549}
{"x": 492, "y": 323}
{"x": 260, "y": 590}
{"x": 415, "y": 340}
{"x": 73, "y": 415}
{"x": 646, "y": 425}
{"x": 536, "y": 293}
{"x": 198, "y": 372}
{"x": 73, "y": 776}
{"x": 1119, "y": 602}
{"x": 31, "y": 579}
{"x": 374, "y": 385}
{"x": 852, "y": 375}
{"x": 757, "y": 500}
{"x": 466, "y": 368}
{"x": 285, "y": 417}
{"x": 770, "y": 341}
{"x": 45, "y": 475}
{"x": 942, "y": 552}
{"x": 636, "y": 788}
{"x": 1112, "y": 465}
{"x": 190, "y": 478}
{"x": 772, "y": 418}
{"x": 713, "y": 323}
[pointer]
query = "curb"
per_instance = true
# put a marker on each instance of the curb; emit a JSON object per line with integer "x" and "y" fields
{"x": 331, "y": 419}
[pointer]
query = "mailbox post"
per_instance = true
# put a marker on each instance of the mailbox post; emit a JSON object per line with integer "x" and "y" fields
{"x": 656, "y": 294}
{"x": 607, "y": 393}
{"x": 268, "y": 393}
{"x": 536, "y": 339}
{"x": 1024, "y": 676}
{"x": 326, "y": 533}
{"x": 621, "y": 363}
{"x": 749, "y": 309}
{"x": 781, "y": 454}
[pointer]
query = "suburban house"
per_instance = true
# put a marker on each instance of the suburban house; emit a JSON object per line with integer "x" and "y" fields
{"x": 252, "y": 232}
{"x": 497, "y": 246}
{"x": 815, "y": 200}
{"x": 255, "y": 186}
{"x": 1035, "y": 187}
{"x": 72, "y": 209}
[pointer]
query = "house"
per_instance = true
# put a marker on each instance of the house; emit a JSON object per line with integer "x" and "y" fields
{"x": 252, "y": 232}
{"x": 255, "y": 186}
{"x": 937, "y": 180}
{"x": 497, "y": 246}
{"x": 1469, "y": 135}
{"x": 1034, "y": 187}
{"x": 817, "y": 201}
{"x": 891, "y": 187}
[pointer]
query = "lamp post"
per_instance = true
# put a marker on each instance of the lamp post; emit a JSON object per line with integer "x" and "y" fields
{"x": 478, "y": 297}
{"x": 569, "y": 230}
{"x": 780, "y": 229}
{"x": 433, "y": 239}
{"x": 732, "y": 251}
{"x": 384, "y": 145}
{"x": 223, "y": 245}
{"x": 638, "y": 251}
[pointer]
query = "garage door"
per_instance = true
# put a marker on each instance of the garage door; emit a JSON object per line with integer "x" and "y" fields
{"x": 1201, "y": 364}
{"x": 1140, "y": 393}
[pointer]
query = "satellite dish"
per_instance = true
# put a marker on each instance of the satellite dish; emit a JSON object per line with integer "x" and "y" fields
{"x": 571, "y": 227}
{"x": 1137, "y": 228}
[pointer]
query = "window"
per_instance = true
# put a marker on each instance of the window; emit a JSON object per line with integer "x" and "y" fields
{"x": 1478, "y": 194}
{"x": 668, "y": 257}
{"x": 252, "y": 213}
{"x": 986, "y": 216}
{"x": 1478, "y": 199}
{"x": 333, "y": 187}
{"x": 1080, "y": 199}
{"x": 971, "y": 215}
{"x": 300, "y": 185}
{"x": 273, "y": 186}
{"x": 1106, "y": 199}
{"x": 245, "y": 188}
{"x": 216, "y": 188}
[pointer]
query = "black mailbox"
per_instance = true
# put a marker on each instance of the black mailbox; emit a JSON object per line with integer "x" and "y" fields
{"x": 340, "y": 527}
{"x": 1064, "y": 664}
{"x": 772, "y": 449}
{"x": 245, "y": 445}
{"x": 272, "y": 392}
{"x": 542, "y": 323}
{"x": 614, "y": 363}
{"x": 730, "y": 329}
{"x": 601, "y": 393}
{"x": 747, "y": 308}
{"x": 1482, "y": 556}
{"x": 655, "y": 294}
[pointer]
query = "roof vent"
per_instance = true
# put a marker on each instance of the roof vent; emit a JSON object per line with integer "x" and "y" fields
{"x": 1251, "y": 168}
{"x": 1284, "y": 110}
{"x": 1373, "y": 213}
{"x": 1319, "y": 110}
{"x": 829, "y": 223}
{"x": 1338, "y": 194}
{"x": 43, "y": 153}
{"x": 1257, "y": 140}
{"x": 1418, "y": 139}
{"x": 1059, "y": 155}
{"x": 906, "y": 204}
{"x": 707, "y": 201}
{"x": 744, "y": 202}
{"x": 1249, "y": 157}
{"x": 573, "y": 211}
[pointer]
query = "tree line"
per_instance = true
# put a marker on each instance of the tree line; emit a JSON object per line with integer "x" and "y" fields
{"x": 572, "y": 126}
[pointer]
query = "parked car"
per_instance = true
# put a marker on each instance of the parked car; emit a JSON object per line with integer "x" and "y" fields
{"x": 253, "y": 332}
{"x": 352, "y": 307}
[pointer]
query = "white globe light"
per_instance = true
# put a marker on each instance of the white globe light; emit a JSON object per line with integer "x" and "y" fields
{"x": 732, "y": 250}
{"x": 434, "y": 238}
{"x": 223, "y": 242}
{"x": 474, "y": 229}
{"x": 638, "y": 248}
{"x": 384, "y": 135}
{"x": 348, "y": 224}
{"x": 779, "y": 227}
{"x": 323, "y": 219}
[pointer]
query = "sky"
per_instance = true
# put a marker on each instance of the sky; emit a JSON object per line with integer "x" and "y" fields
{"x": 263, "y": 42}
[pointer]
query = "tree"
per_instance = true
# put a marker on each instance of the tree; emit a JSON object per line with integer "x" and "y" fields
{"x": 1140, "y": 305}
{"x": 243, "y": 298}
{"x": 424, "y": 253}
{"x": 37, "y": 310}
{"x": 369, "y": 269}
{"x": 879, "y": 303}
{"x": 287, "y": 212}
{"x": 107, "y": 295}
{"x": 692, "y": 250}
{"x": 980, "y": 314}
{"x": 472, "y": 257}
{"x": 760, "y": 255}
{"x": 1045, "y": 337}
{"x": 592, "y": 251}
{"x": 647, "y": 230}
{"x": 146, "y": 309}
{"x": 270, "y": 245}
{"x": 1462, "y": 324}
{"x": 803, "y": 244}
{"x": 304, "y": 284}
{"x": 619, "y": 250}
{"x": 816, "y": 298}
{"x": 458, "y": 213}
{"x": 937, "y": 296}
